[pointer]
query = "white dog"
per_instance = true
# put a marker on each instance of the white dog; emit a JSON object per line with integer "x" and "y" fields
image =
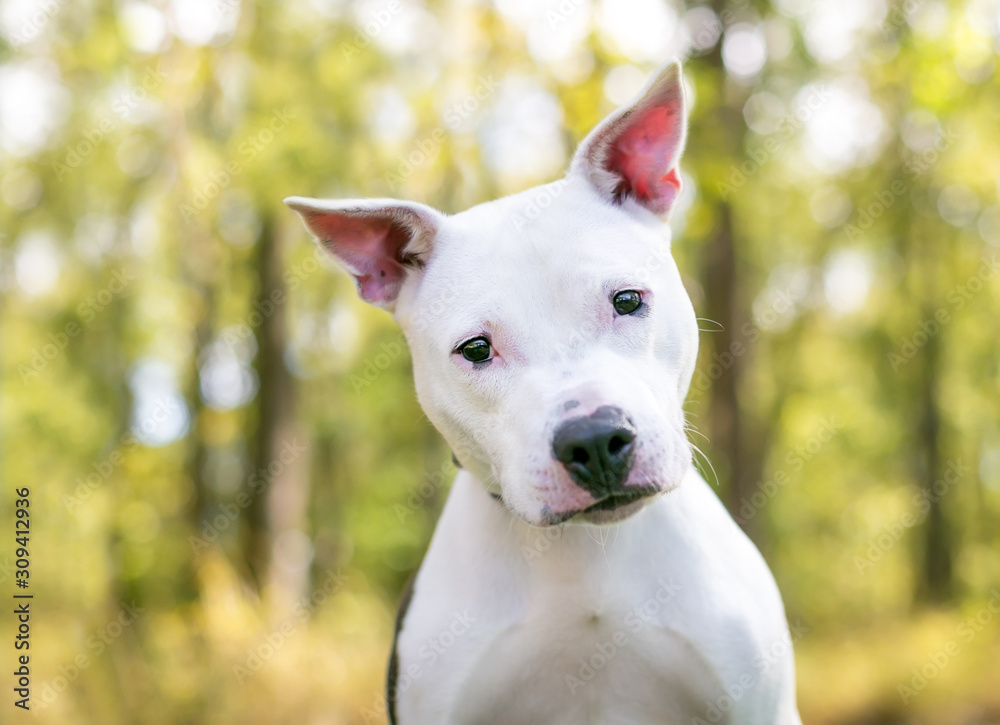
{"x": 582, "y": 571}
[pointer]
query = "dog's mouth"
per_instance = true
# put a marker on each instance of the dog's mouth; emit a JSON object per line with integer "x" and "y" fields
{"x": 613, "y": 507}
{"x": 617, "y": 500}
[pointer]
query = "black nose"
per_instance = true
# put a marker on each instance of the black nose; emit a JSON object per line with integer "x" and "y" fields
{"x": 596, "y": 450}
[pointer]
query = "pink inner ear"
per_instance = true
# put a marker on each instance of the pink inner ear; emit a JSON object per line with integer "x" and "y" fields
{"x": 371, "y": 246}
{"x": 642, "y": 154}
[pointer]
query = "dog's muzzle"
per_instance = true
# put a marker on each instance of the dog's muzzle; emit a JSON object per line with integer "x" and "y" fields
{"x": 597, "y": 451}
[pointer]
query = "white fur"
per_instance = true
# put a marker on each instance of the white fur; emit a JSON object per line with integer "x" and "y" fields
{"x": 541, "y": 604}
{"x": 507, "y": 615}
{"x": 679, "y": 583}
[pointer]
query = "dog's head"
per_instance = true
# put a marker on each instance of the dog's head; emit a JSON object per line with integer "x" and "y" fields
{"x": 552, "y": 340}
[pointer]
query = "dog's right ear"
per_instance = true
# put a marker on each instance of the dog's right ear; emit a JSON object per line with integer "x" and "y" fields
{"x": 379, "y": 241}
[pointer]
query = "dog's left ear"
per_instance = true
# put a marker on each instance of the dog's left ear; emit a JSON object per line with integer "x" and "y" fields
{"x": 634, "y": 152}
{"x": 379, "y": 241}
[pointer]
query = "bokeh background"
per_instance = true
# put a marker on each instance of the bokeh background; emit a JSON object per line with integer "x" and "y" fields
{"x": 231, "y": 477}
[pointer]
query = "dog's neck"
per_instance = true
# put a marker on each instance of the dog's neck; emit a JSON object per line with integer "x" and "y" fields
{"x": 495, "y": 495}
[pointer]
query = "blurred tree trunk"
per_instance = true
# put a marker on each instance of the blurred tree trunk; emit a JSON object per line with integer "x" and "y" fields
{"x": 740, "y": 464}
{"x": 197, "y": 454}
{"x": 199, "y": 263}
{"x": 719, "y": 281}
{"x": 936, "y": 580}
{"x": 920, "y": 247}
{"x": 278, "y": 456}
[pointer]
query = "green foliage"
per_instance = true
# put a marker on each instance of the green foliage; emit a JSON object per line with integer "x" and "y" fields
{"x": 149, "y": 376}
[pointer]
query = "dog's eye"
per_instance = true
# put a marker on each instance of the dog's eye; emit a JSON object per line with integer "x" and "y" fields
{"x": 627, "y": 302}
{"x": 476, "y": 350}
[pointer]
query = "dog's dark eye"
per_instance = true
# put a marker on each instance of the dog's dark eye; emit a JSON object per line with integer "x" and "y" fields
{"x": 476, "y": 350}
{"x": 627, "y": 302}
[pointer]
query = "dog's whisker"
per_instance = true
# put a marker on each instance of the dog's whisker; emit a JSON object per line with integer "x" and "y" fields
{"x": 600, "y": 537}
{"x": 693, "y": 429}
{"x": 698, "y": 451}
{"x": 719, "y": 325}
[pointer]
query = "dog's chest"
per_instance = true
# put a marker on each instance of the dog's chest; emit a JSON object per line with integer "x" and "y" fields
{"x": 594, "y": 661}
{"x": 644, "y": 629}
{"x": 594, "y": 651}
